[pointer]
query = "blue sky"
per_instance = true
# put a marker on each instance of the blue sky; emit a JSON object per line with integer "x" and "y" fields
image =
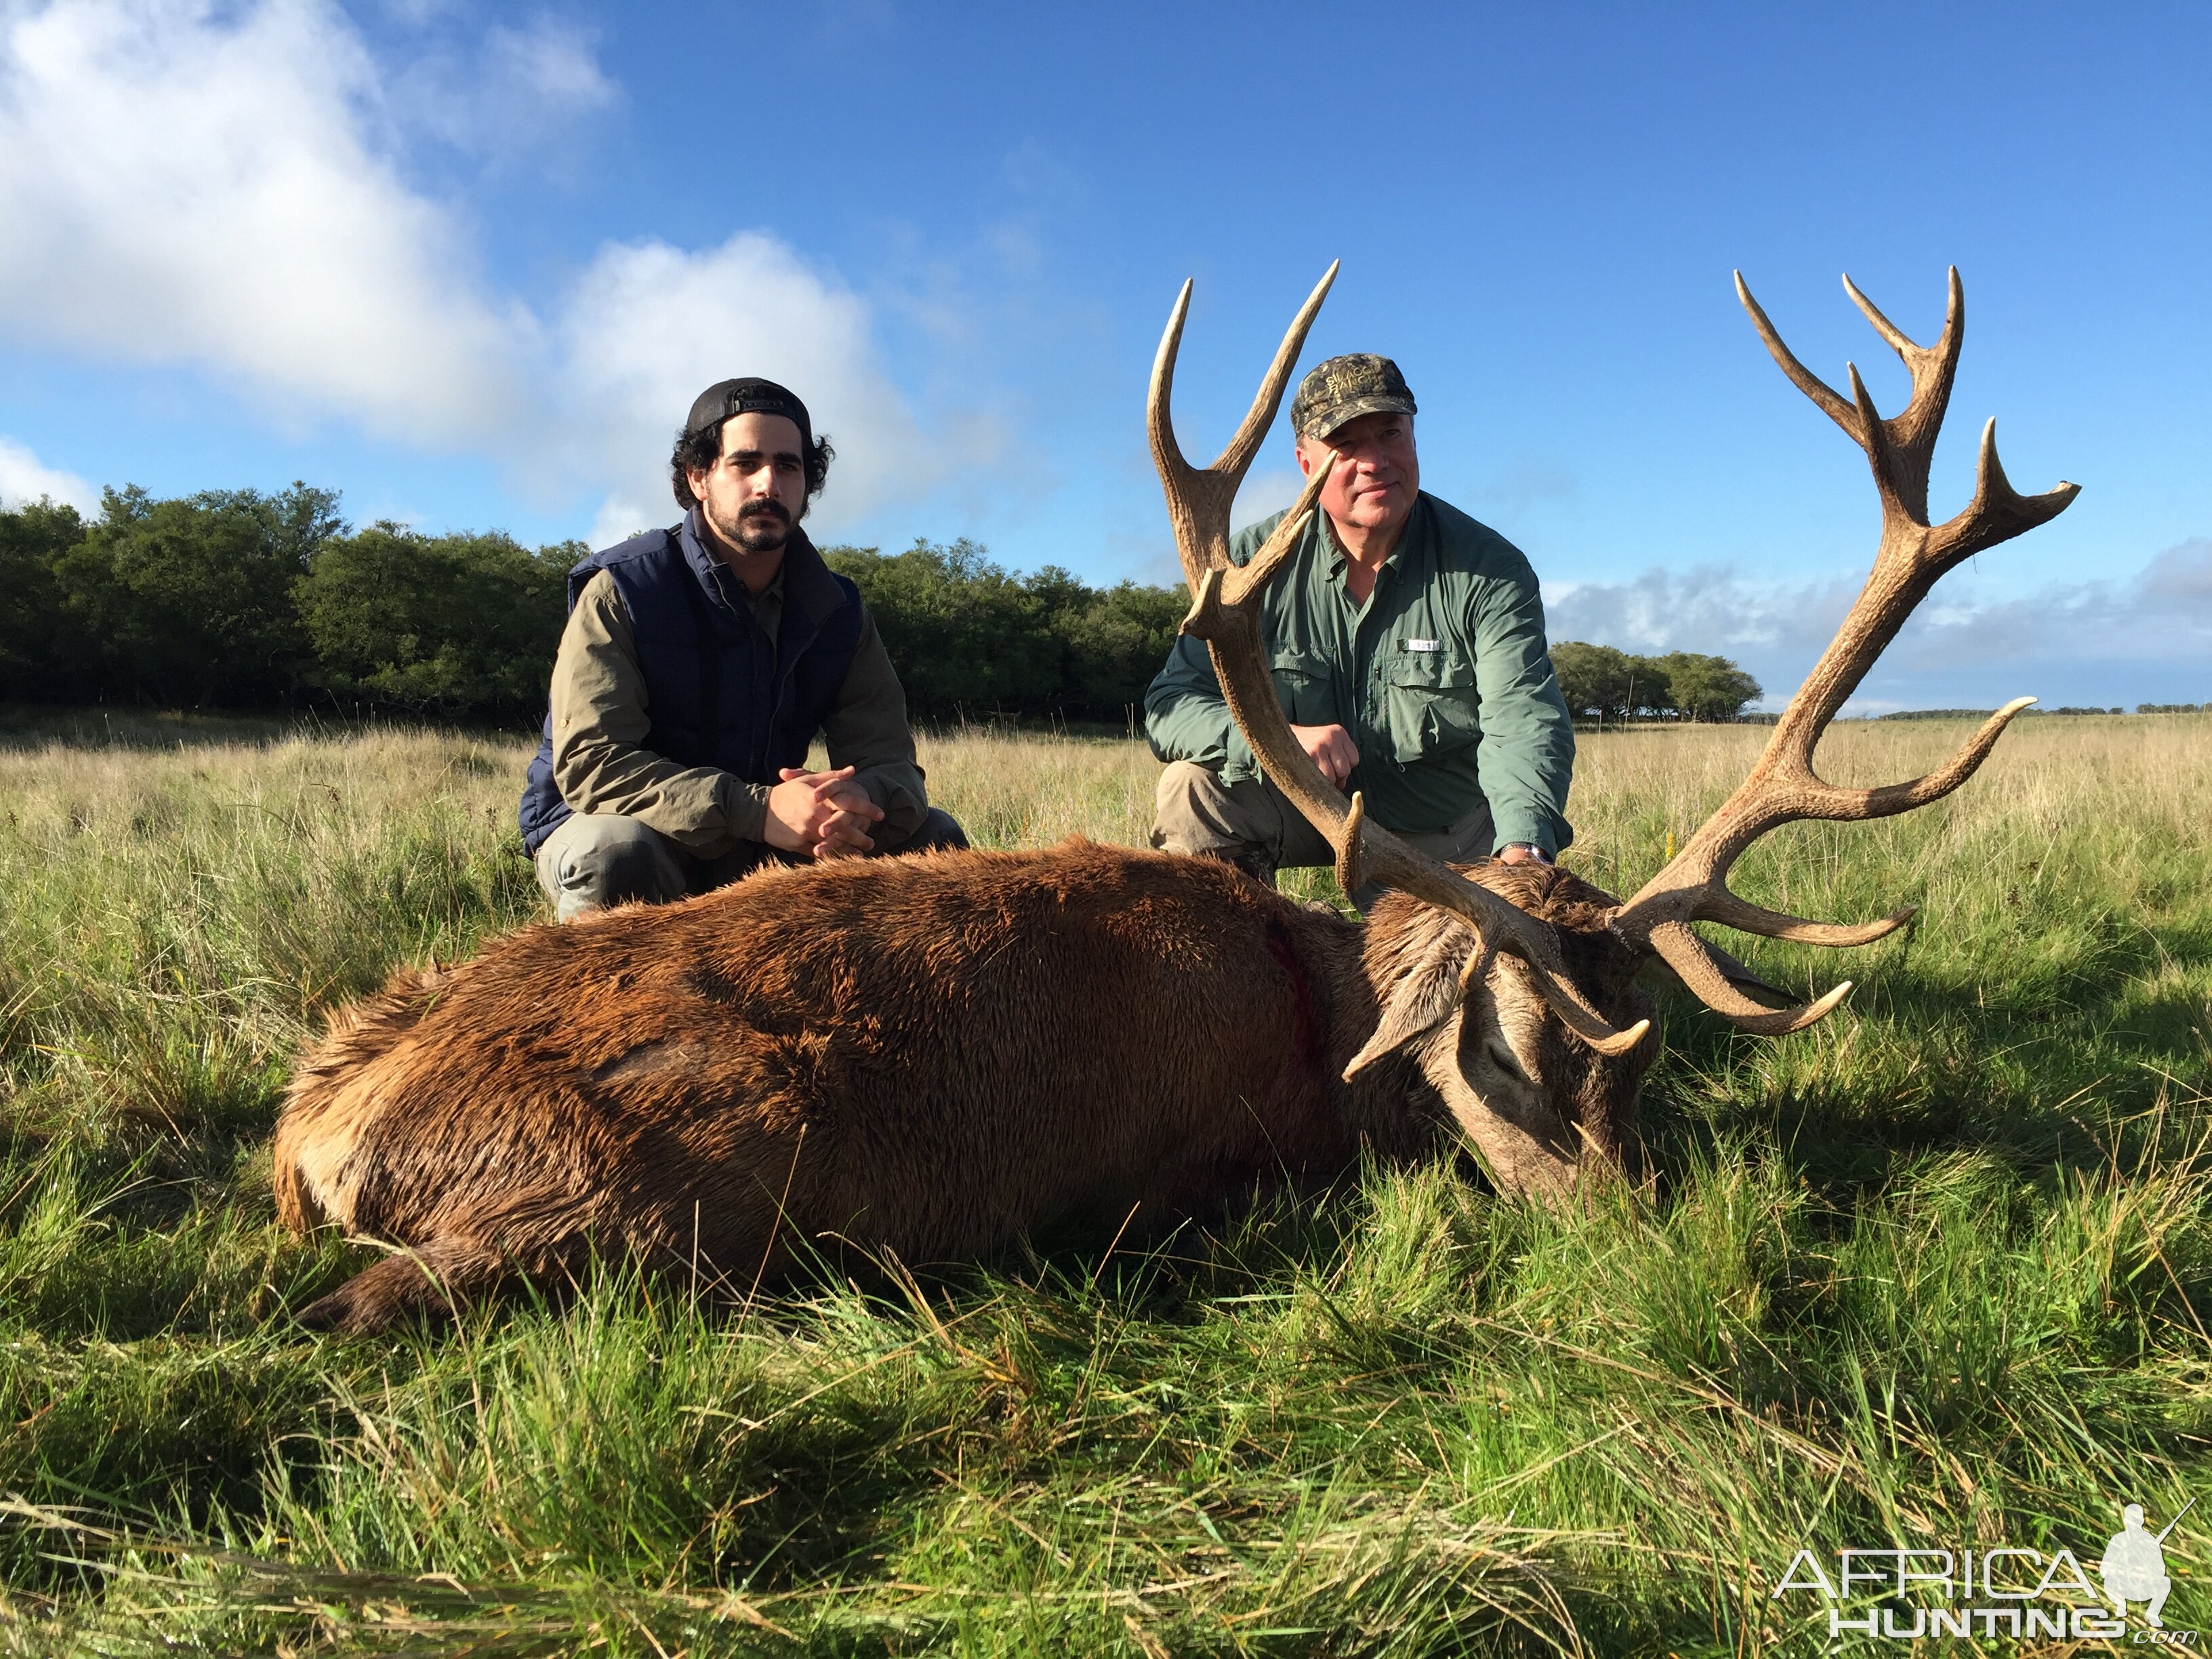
{"x": 468, "y": 266}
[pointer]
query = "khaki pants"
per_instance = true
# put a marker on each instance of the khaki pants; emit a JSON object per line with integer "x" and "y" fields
{"x": 1251, "y": 824}
{"x": 592, "y": 859}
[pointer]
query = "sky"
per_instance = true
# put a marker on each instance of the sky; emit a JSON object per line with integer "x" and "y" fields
{"x": 468, "y": 265}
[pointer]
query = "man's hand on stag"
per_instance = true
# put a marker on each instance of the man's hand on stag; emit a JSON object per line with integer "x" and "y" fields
{"x": 1331, "y": 749}
{"x": 823, "y": 814}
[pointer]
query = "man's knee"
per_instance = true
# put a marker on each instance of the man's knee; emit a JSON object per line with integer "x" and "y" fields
{"x": 939, "y": 831}
{"x": 599, "y": 859}
{"x": 1192, "y": 810}
{"x": 1196, "y": 813}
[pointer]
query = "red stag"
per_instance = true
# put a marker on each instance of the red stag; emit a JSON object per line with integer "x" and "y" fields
{"x": 927, "y": 1056}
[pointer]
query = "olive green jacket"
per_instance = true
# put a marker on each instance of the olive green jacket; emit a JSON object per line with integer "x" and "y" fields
{"x": 1441, "y": 679}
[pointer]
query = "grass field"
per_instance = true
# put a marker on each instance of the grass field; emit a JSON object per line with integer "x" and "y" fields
{"x": 1936, "y": 1273}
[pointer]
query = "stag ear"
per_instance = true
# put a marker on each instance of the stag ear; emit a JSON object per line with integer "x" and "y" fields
{"x": 1426, "y": 995}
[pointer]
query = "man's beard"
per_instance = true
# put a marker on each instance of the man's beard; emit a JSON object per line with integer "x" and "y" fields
{"x": 762, "y": 527}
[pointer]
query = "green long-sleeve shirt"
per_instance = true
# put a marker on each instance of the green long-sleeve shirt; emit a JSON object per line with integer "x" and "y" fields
{"x": 1441, "y": 678}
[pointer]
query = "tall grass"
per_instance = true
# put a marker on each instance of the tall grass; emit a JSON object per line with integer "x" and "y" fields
{"x": 1935, "y": 1272}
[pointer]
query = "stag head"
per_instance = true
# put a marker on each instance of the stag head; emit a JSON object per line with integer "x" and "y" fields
{"x": 1513, "y": 988}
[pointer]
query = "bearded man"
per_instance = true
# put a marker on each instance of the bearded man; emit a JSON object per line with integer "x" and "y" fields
{"x": 698, "y": 665}
{"x": 1407, "y": 645}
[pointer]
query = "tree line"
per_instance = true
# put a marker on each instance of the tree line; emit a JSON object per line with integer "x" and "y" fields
{"x": 232, "y": 598}
{"x": 238, "y": 599}
{"x": 1601, "y": 684}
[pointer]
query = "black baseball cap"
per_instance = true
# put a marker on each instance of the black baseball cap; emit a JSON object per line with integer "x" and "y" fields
{"x": 752, "y": 396}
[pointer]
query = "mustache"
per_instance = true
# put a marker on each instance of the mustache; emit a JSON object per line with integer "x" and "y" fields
{"x": 768, "y": 507}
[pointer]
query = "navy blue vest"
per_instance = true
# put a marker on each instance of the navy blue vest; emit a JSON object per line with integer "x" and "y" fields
{"x": 716, "y": 694}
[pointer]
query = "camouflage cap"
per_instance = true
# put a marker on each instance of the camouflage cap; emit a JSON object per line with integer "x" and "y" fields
{"x": 1344, "y": 388}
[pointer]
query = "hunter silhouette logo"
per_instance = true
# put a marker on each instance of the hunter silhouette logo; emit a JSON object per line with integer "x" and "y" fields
{"x": 2134, "y": 1567}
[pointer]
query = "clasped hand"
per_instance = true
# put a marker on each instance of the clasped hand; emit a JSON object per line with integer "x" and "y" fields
{"x": 824, "y": 815}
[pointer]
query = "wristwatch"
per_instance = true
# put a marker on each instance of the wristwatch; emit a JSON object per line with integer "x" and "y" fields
{"x": 1534, "y": 851}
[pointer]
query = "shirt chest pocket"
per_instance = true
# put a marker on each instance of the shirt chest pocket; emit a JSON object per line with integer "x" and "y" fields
{"x": 1305, "y": 684}
{"x": 1431, "y": 703}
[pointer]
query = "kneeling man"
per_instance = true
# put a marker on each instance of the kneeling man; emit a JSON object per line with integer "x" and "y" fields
{"x": 699, "y": 664}
{"x": 1408, "y": 644}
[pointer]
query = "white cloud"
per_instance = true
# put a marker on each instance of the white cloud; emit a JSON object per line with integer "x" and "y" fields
{"x": 222, "y": 188}
{"x": 507, "y": 96}
{"x": 2146, "y": 636}
{"x": 1705, "y": 608}
{"x": 650, "y": 326}
{"x": 23, "y": 479}
{"x": 182, "y": 187}
{"x": 552, "y": 60}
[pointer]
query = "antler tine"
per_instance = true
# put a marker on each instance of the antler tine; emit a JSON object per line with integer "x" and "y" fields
{"x": 1722, "y": 906}
{"x": 1167, "y": 453}
{"x": 1900, "y": 342}
{"x": 1701, "y": 970}
{"x": 1890, "y": 799}
{"x": 1225, "y": 614}
{"x": 1933, "y": 369}
{"x": 1200, "y": 499}
{"x": 1838, "y": 407}
{"x": 1189, "y": 495}
{"x": 1998, "y": 512}
{"x": 1237, "y": 457}
{"x": 1783, "y": 786}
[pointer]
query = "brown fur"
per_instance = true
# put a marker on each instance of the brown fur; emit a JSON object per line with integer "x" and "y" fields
{"x": 925, "y": 1056}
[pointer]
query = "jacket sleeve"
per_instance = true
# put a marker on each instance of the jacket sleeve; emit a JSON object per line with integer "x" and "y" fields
{"x": 599, "y": 727}
{"x": 1186, "y": 719}
{"x": 866, "y": 729}
{"x": 1526, "y": 757}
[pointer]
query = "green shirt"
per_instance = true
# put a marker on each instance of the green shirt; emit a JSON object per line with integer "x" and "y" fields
{"x": 1441, "y": 678}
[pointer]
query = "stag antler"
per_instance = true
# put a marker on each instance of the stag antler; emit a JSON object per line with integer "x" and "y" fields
{"x": 1783, "y": 786}
{"x": 1225, "y": 614}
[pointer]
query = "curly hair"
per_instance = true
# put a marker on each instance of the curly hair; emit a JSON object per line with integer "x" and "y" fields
{"x": 701, "y": 450}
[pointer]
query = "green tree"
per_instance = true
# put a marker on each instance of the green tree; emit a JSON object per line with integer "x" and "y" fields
{"x": 1649, "y": 691}
{"x": 1601, "y": 684}
{"x": 968, "y": 639}
{"x": 33, "y": 538}
{"x": 190, "y": 601}
{"x": 1707, "y": 688}
{"x": 1116, "y": 643}
{"x": 1594, "y": 679}
{"x": 436, "y": 624}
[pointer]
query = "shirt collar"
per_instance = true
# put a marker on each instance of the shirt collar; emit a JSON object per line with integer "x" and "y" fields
{"x": 810, "y": 585}
{"x": 1417, "y": 530}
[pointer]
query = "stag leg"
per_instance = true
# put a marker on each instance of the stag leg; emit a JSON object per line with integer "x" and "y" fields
{"x": 434, "y": 1281}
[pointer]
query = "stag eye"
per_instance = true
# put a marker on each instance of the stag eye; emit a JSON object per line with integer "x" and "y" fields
{"x": 1504, "y": 1058}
